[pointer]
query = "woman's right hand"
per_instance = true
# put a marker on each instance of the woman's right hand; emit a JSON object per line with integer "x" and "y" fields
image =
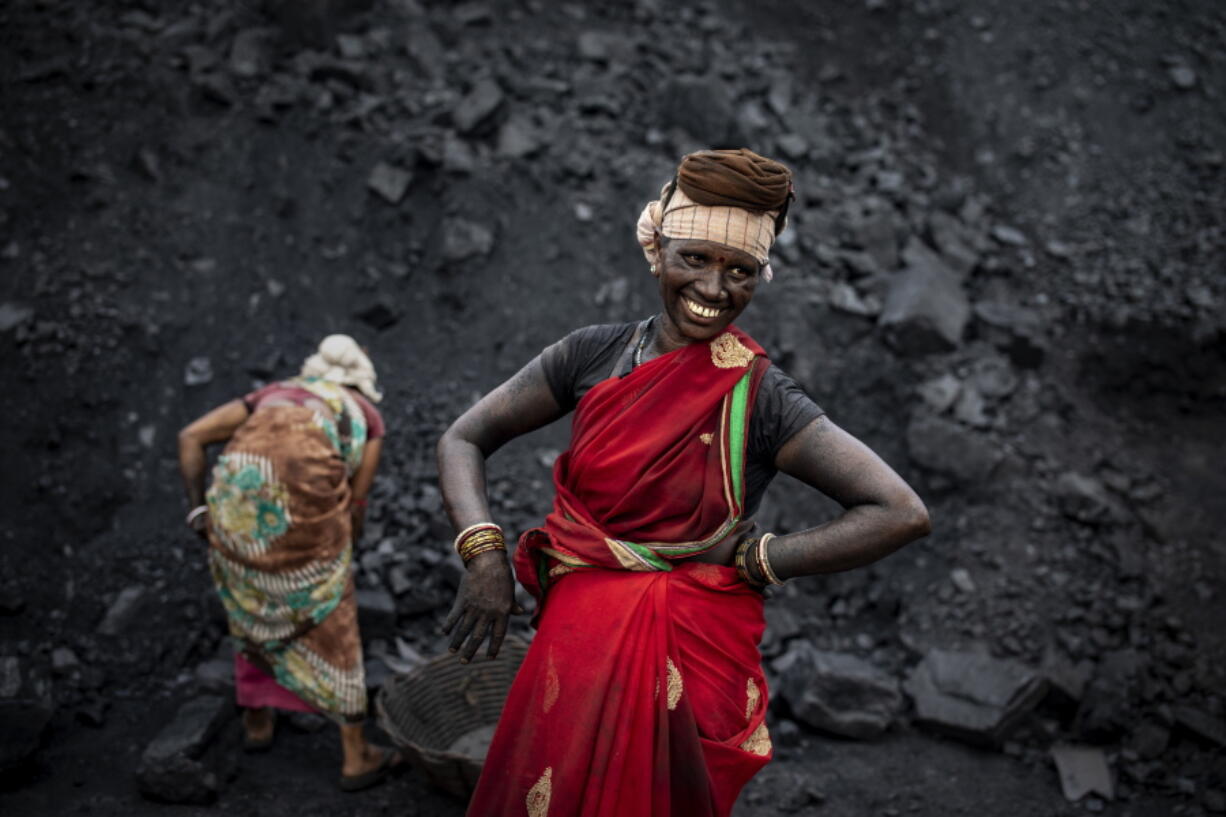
{"x": 484, "y": 601}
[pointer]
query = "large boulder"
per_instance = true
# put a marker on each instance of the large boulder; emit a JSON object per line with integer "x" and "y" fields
{"x": 176, "y": 766}
{"x": 973, "y": 696}
{"x": 838, "y": 693}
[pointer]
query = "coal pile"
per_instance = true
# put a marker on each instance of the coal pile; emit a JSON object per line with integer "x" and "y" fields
{"x": 1003, "y": 272}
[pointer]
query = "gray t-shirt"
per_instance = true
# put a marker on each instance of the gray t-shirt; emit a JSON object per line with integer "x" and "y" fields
{"x": 587, "y": 356}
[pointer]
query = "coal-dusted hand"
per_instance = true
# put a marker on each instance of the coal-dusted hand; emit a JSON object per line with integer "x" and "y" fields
{"x": 484, "y": 601}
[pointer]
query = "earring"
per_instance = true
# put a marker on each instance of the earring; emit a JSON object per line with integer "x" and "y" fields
{"x": 653, "y": 268}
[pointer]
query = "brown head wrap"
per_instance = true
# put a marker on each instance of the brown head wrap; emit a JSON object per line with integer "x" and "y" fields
{"x": 735, "y": 178}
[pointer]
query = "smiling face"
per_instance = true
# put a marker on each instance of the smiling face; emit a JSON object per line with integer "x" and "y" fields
{"x": 704, "y": 286}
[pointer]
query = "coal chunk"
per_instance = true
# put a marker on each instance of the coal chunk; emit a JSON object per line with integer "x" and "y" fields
{"x": 1083, "y": 770}
{"x": 478, "y": 107}
{"x": 13, "y": 315}
{"x": 463, "y": 240}
{"x": 123, "y": 611}
{"x": 379, "y": 315}
{"x": 950, "y": 449}
{"x": 838, "y": 693}
{"x": 377, "y": 613}
{"x": 199, "y": 370}
{"x": 389, "y": 182}
{"x": 174, "y": 767}
{"x": 925, "y": 309}
{"x": 1201, "y": 724}
{"x": 973, "y": 696}
{"x": 25, "y": 710}
{"x": 249, "y": 52}
{"x": 1085, "y": 499}
{"x": 701, "y": 108}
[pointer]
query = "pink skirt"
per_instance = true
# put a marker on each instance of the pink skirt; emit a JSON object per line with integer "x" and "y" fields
{"x": 255, "y": 689}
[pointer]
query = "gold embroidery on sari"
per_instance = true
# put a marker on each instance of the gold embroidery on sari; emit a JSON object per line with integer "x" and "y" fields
{"x": 752, "y": 696}
{"x": 759, "y": 742}
{"x": 727, "y": 352}
{"x": 674, "y": 684}
{"x": 707, "y": 574}
{"x": 553, "y": 686}
{"x": 537, "y": 800}
{"x": 706, "y": 437}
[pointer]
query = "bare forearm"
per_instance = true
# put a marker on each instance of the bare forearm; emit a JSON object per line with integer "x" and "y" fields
{"x": 191, "y": 467}
{"x": 519, "y": 405}
{"x": 461, "y": 467}
{"x": 861, "y": 536}
{"x": 215, "y": 427}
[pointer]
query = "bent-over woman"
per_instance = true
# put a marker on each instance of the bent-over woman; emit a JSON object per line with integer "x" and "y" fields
{"x": 286, "y": 502}
{"x": 642, "y": 693}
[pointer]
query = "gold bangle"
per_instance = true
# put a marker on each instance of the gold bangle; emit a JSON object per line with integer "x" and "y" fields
{"x": 482, "y": 536}
{"x": 741, "y": 562}
{"x": 764, "y": 561}
{"x": 472, "y": 554}
{"x": 480, "y": 541}
{"x": 462, "y": 535}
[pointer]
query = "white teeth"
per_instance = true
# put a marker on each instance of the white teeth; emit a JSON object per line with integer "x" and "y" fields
{"x": 700, "y": 310}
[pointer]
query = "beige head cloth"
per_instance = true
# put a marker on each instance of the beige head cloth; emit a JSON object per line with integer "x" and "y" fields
{"x": 683, "y": 218}
{"x": 341, "y": 360}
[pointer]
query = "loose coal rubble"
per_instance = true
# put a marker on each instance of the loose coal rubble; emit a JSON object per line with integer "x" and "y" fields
{"x": 1011, "y": 329}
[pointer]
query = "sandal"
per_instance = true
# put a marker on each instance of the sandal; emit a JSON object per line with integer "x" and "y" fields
{"x": 358, "y": 782}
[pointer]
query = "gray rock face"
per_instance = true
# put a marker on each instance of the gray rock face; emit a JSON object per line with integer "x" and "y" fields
{"x": 838, "y": 693}
{"x": 951, "y": 450}
{"x": 173, "y": 767}
{"x": 925, "y": 309}
{"x": 971, "y": 696}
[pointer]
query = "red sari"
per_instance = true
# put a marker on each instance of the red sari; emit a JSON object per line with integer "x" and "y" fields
{"x": 642, "y": 693}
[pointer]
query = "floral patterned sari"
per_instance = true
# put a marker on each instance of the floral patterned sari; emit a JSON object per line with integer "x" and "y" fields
{"x": 280, "y": 550}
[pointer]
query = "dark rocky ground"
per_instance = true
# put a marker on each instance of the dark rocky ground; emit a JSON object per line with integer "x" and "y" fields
{"x": 1005, "y": 274}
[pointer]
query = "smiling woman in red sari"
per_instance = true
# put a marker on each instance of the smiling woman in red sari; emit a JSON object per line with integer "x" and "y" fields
{"x": 643, "y": 693}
